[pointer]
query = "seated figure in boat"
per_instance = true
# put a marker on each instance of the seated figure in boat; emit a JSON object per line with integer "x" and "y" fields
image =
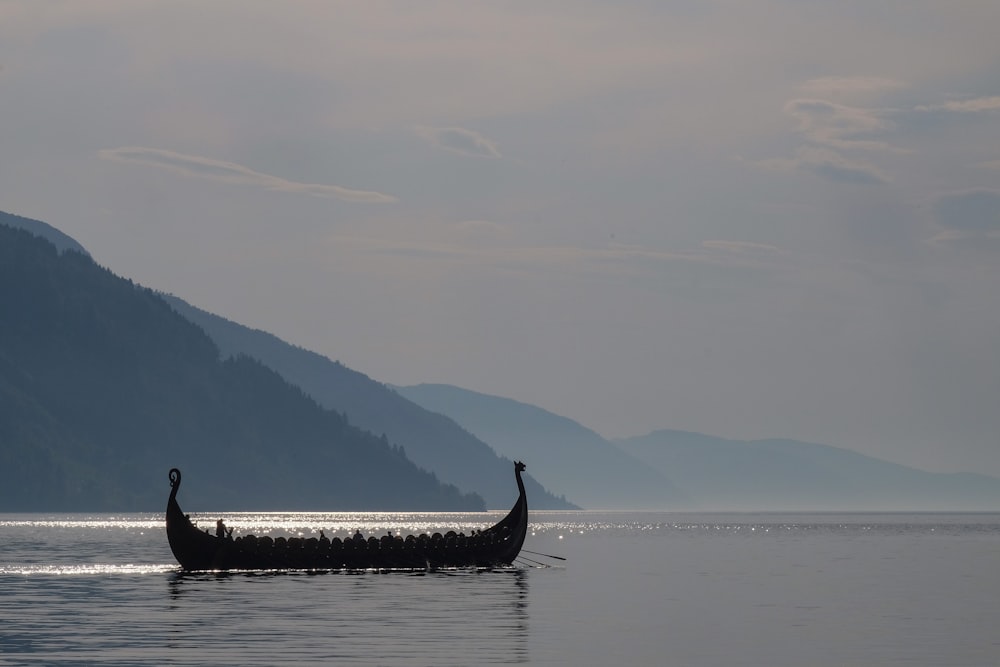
{"x": 221, "y": 530}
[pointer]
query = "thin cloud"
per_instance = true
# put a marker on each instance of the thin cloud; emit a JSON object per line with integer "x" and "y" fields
{"x": 460, "y": 140}
{"x": 740, "y": 246}
{"x": 830, "y": 165}
{"x": 197, "y": 166}
{"x": 976, "y": 105}
{"x": 832, "y": 130}
{"x": 839, "y": 171}
{"x": 838, "y": 125}
{"x": 849, "y": 85}
{"x": 969, "y": 219}
{"x": 973, "y": 212}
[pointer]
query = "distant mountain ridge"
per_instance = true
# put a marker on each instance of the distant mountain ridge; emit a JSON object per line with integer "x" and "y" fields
{"x": 65, "y": 444}
{"x": 780, "y": 474}
{"x": 705, "y": 472}
{"x": 431, "y": 440}
{"x": 104, "y": 387}
{"x": 572, "y": 459}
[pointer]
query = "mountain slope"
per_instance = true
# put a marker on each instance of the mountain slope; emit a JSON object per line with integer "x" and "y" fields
{"x": 787, "y": 474}
{"x": 431, "y": 440}
{"x": 104, "y": 387}
{"x": 61, "y": 241}
{"x": 571, "y": 459}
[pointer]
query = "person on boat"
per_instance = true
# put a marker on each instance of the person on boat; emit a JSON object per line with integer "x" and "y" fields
{"x": 358, "y": 537}
{"x": 220, "y": 528}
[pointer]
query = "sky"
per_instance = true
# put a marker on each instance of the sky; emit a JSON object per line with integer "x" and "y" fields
{"x": 748, "y": 219}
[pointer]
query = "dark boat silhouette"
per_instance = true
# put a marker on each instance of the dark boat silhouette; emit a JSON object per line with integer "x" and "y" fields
{"x": 197, "y": 550}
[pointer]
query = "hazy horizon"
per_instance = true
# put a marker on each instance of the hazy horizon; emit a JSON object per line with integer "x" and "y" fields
{"x": 749, "y": 220}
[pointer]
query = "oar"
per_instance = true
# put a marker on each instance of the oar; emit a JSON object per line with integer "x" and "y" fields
{"x": 538, "y": 553}
{"x": 533, "y": 562}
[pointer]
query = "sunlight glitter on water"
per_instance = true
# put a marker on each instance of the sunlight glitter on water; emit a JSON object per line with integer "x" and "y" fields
{"x": 309, "y": 524}
{"x": 89, "y": 569}
{"x": 290, "y": 523}
{"x": 127, "y": 522}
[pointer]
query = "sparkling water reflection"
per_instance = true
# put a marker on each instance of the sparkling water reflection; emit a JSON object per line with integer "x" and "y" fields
{"x": 637, "y": 589}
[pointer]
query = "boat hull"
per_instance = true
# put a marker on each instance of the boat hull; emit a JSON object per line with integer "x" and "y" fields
{"x": 198, "y": 550}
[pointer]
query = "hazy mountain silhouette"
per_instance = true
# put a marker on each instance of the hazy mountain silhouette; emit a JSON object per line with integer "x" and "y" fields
{"x": 61, "y": 241}
{"x": 704, "y": 472}
{"x": 787, "y": 474}
{"x": 570, "y": 458}
{"x": 104, "y": 387}
{"x": 432, "y": 441}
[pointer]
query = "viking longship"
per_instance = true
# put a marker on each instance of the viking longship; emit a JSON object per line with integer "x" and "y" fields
{"x": 197, "y": 550}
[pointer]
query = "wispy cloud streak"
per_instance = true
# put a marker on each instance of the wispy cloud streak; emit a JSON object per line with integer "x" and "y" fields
{"x": 830, "y": 165}
{"x": 220, "y": 171}
{"x": 838, "y": 125}
{"x": 977, "y": 105}
{"x": 460, "y": 140}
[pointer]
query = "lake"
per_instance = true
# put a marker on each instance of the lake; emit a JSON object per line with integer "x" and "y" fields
{"x": 635, "y": 589}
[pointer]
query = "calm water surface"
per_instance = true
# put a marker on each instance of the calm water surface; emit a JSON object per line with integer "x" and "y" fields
{"x": 636, "y": 589}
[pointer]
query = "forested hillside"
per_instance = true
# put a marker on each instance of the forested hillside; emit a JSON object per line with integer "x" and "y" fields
{"x": 46, "y": 231}
{"x": 104, "y": 387}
